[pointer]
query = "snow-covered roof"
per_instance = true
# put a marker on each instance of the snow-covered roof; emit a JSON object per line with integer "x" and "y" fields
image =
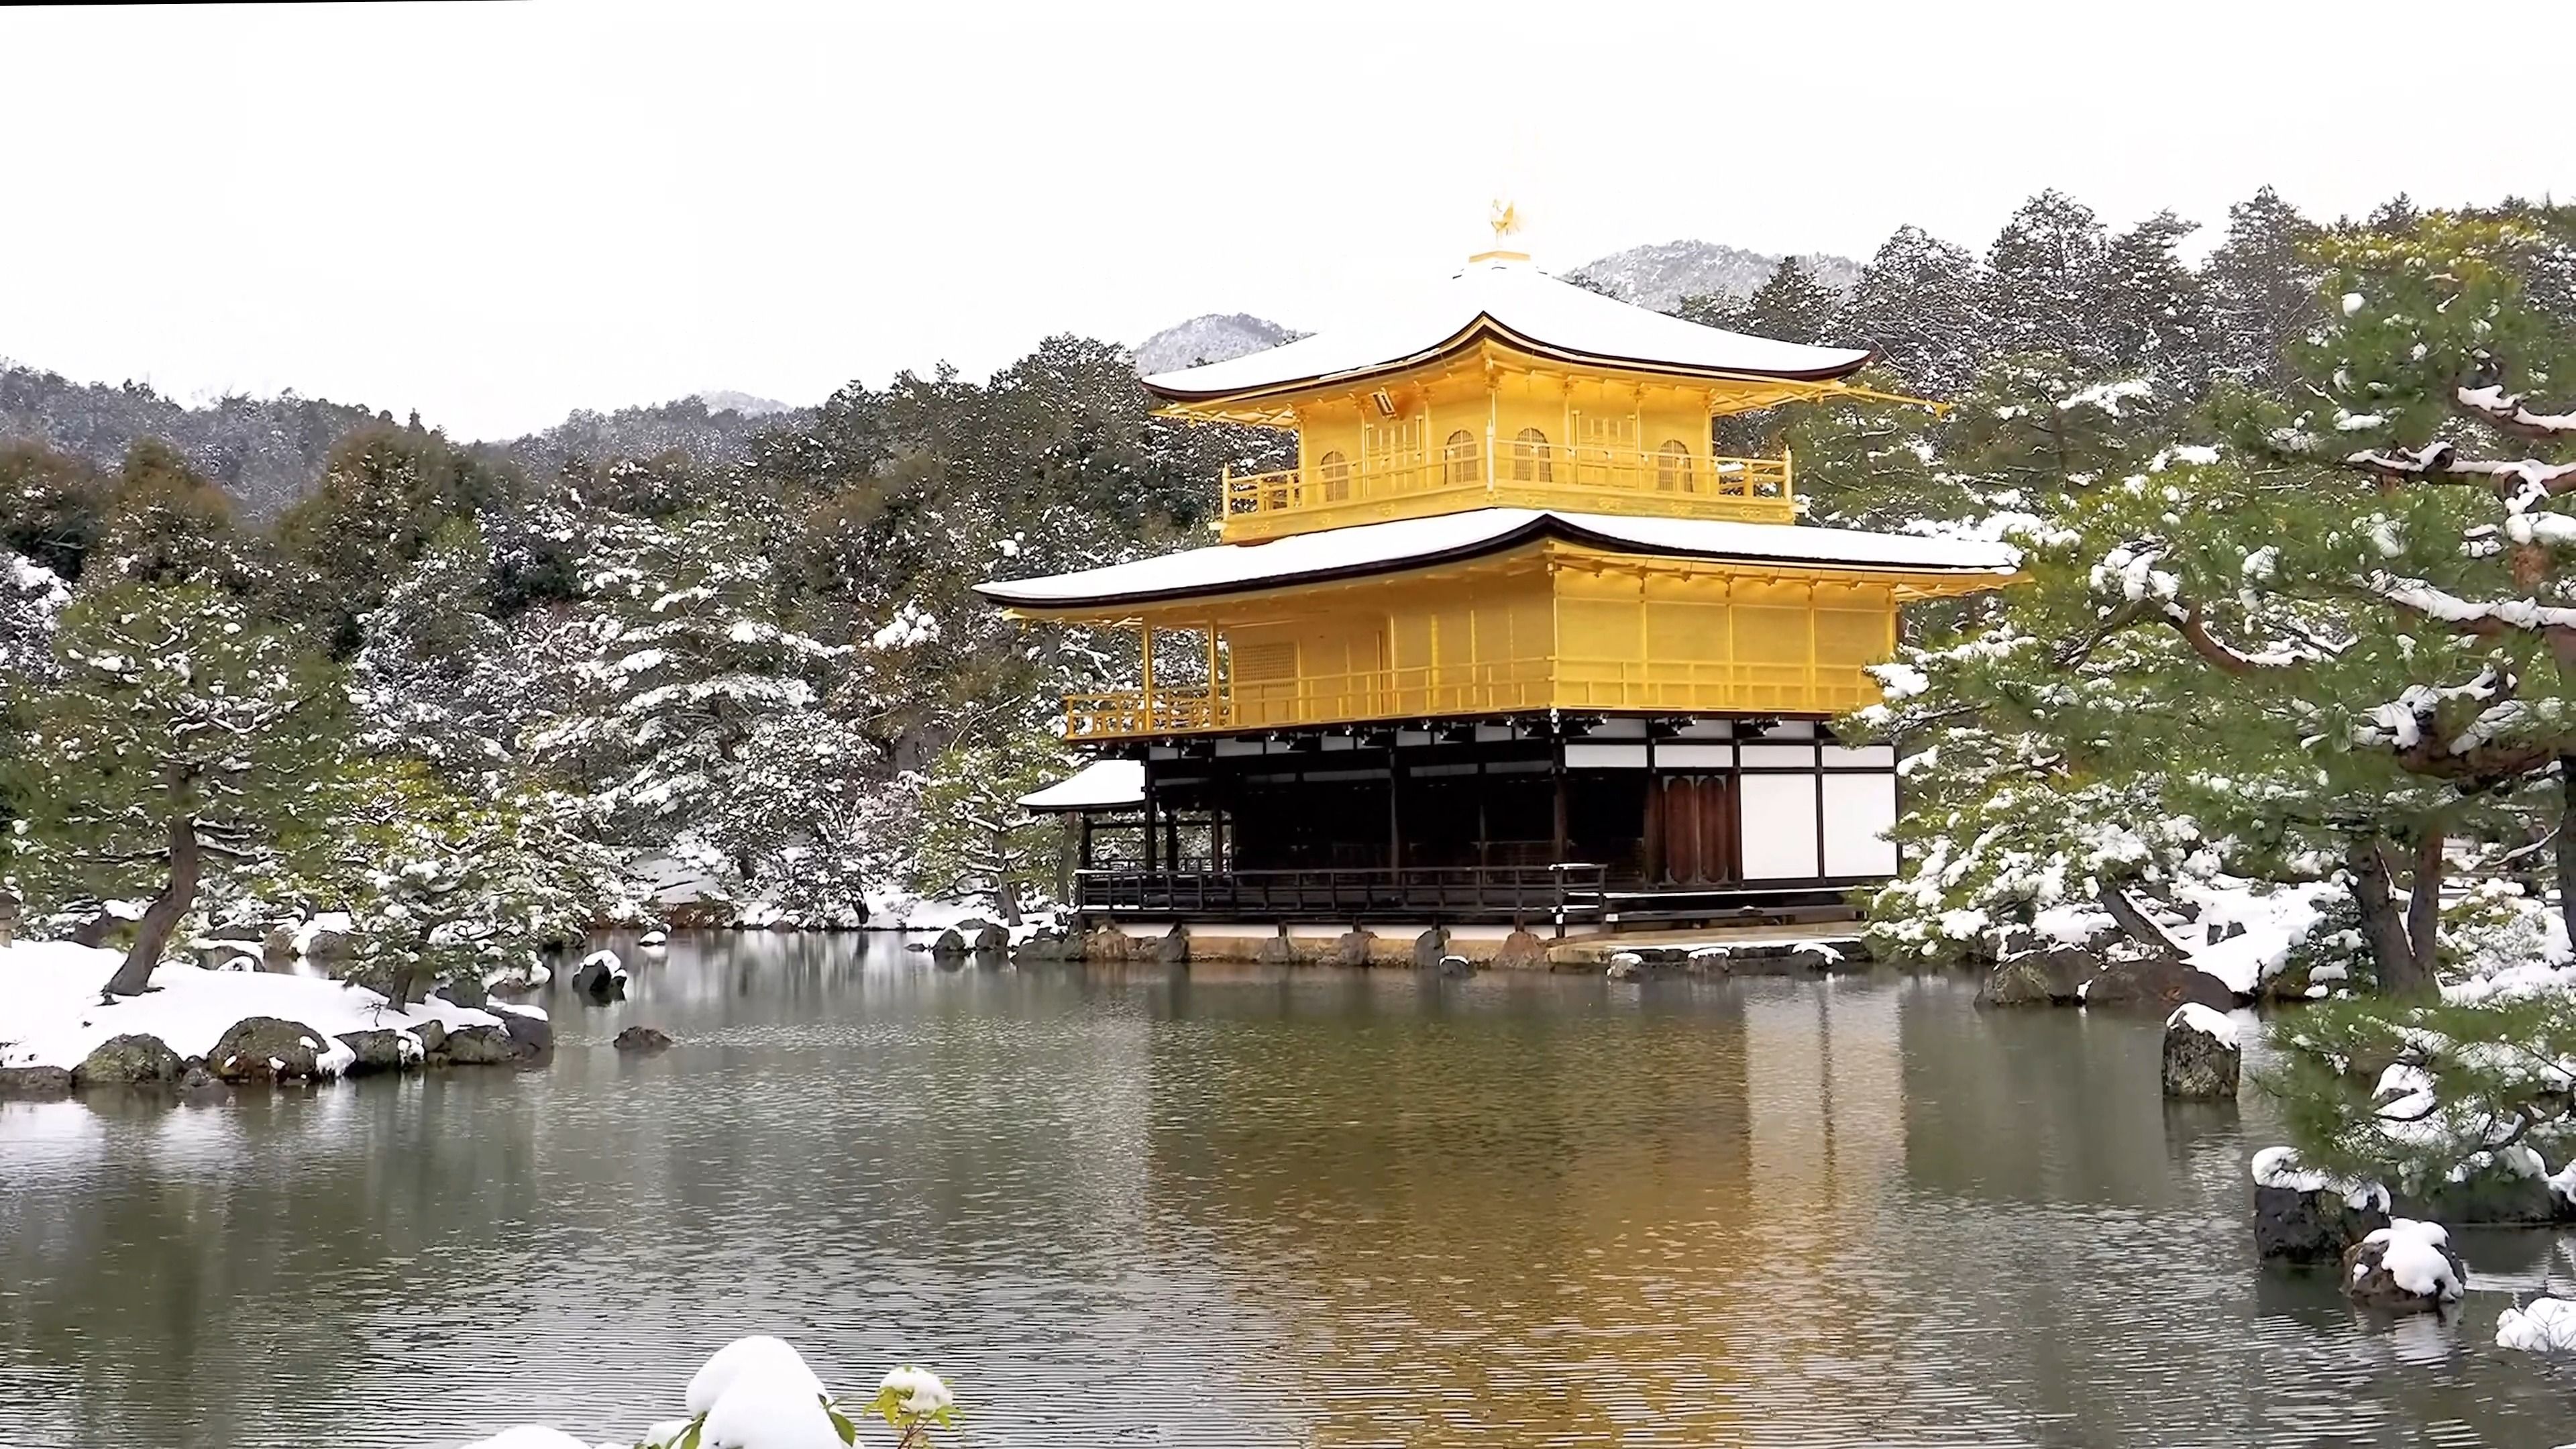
{"x": 1370, "y": 548}
{"x": 1100, "y": 785}
{"x": 1522, "y": 305}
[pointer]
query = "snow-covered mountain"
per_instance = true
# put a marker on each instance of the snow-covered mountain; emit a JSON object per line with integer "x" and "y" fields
{"x": 1212, "y": 338}
{"x": 747, "y": 404}
{"x": 1661, "y": 274}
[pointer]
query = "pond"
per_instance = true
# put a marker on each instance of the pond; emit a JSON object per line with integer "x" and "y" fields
{"x": 1229, "y": 1206}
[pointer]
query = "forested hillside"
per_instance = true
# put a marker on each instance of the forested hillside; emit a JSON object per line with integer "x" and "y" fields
{"x": 744, "y": 646}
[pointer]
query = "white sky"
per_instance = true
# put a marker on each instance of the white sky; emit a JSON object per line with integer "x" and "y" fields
{"x": 495, "y": 213}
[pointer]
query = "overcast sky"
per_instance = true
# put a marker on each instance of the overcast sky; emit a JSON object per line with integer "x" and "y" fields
{"x": 499, "y": 212}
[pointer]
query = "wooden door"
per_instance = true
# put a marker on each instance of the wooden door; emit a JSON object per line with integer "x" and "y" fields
{"x": 1698, "y": 828}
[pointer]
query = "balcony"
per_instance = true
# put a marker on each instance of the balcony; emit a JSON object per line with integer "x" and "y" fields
{"x": 1473, "y": 690}
{"x": 1578, "y": 479}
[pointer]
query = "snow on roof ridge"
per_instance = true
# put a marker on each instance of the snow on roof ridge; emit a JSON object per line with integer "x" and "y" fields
{"x": 1409, "y": 542}
{"x": 1529, "y": 304}
{"x": 1100, "y": 784}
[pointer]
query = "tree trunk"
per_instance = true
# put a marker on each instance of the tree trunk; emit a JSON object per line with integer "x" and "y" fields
{"x": 2424, "y": 900}
{"x": 2133, "y": 920}
{"x": 2381, "y": 926}
{"x": 163, "y": 916}
{"x": 2567, "y": 844}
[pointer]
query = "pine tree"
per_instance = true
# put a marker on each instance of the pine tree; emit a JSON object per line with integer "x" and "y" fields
{"x": 2323, "y": 681}
{"x": 976, "y": 840}
{"x": 2262, "y": 288}
{"x": 696, "y": 713}
{"x": 448, "y": 887}
{"x": 2154, "y": 309}
{"x": 182, "y": 742}
{"x": 1919, "y": 303}
{"x": 386, "y": 494}
{"x": 2045, "y": 280}
{"x": 1792, "y": 306}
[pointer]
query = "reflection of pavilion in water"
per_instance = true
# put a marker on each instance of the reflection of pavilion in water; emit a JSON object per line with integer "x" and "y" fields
{"x": 1500, "y": 1217}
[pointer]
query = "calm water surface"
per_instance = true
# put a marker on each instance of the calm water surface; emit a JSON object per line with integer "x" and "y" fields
{"x": 1229, "y": 1207}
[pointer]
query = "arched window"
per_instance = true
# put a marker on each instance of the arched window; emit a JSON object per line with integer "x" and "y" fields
{"x": 1335, "y": 470}
{"x": 1673, "y": 466}
{"x": 1460, "y": 457}
{"x": 1531, "y": 461}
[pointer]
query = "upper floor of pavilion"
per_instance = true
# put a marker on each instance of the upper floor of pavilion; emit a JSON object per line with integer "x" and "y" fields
{"x": 1505, "y": 387}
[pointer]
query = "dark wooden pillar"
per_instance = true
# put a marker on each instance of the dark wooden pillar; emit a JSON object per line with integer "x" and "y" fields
{"x": 1556, "y": 776}
{"x": 1149, "y": 814}
{"x": 1394, "y": 808}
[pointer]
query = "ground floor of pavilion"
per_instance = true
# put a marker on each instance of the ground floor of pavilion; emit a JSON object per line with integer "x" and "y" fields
{"x": 1539, "y": 820}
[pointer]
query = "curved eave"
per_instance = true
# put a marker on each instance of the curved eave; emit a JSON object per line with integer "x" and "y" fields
{"x": 1486, "y": 328}
{"x": 1956, "y": 579}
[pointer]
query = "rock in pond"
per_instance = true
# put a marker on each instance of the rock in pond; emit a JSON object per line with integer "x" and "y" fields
{"x": 383, "y": 1049}
{"x": 433, "y": 1037}
{"x": 34, "y": 1081}
{"x": 2052, "y": 977}
{"x": 480, "y": 1046}
{"x": 131, "y": 1060}
{"x": 2302, "y": 1216}
{"x": 1276, "y": 950}
{"x": 1108, "y": 945}
{"x": 951, "y": 945}
{"x": 2159, "y": 985}
{"x": 1428, "y": 948}
{"x": 1355, "y": 947}
{"x": 2201, "y": 1057}
{"x": 642, "y": 1039}
{"x": 268, "y": 1049}
{"x": 1454, "y": 964}
{"x": 1044, "y": 944}
{"x": 1626, "y": 966}
{"x": 530, "y": 1030}
{"x": 1522, "y": 950}
{"x": 601, "y": 976}
{"x": 2406, "y": 1267}
{"x": 992, "y": 937}
{"x": 1172, "y": 948}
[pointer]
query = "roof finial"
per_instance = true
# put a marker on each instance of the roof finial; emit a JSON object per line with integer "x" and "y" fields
{"x": 1505, "y": 219}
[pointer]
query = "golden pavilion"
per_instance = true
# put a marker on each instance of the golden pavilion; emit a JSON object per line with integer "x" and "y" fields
{"x": 1510, "y": 643}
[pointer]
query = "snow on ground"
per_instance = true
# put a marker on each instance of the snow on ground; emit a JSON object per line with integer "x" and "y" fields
{"x": 50, "y": 1014}
{"x": 2279, "y": 1167}
{"x": 2544, "y": 1325}
{"x": 2274, "y": 921}
{"x": 2411, "y": 1251}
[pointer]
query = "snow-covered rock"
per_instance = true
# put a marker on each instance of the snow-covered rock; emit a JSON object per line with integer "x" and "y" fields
{"x": 2305, "y": 1216}
{"x": 600, "y": 976}
{"x": 51, "y": 1014}
{"x": 2405, "y": 1267}
{"x": 2544, "y": 1325}
{"x": 2201, "y": 1056}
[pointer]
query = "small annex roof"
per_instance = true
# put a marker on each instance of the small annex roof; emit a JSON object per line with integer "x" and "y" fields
{"x": 1373, "y": 548}
{"x": 1100, "y": 785}
{"x": 1505, "y": 297}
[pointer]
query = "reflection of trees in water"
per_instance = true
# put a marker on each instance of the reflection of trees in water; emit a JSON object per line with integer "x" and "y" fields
{"x": 1486, "y": 1208}
{"x": 162, "y": 1287}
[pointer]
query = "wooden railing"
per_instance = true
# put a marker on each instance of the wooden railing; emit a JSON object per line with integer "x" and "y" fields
{"x": 1430, "y": 692}
{"x": 1131, "y": 713}
{"x": 1538, "y": 893}
{"x": 1415, "y": 484}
